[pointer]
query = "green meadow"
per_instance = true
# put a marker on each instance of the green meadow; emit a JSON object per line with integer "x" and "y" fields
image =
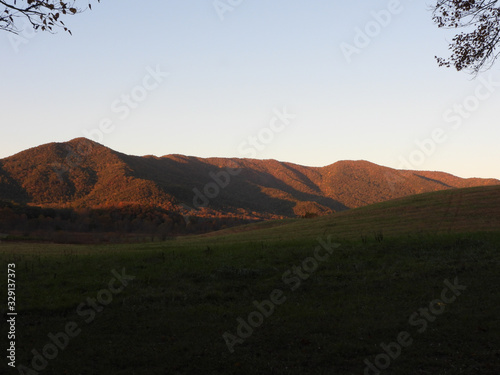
{"x": 405, "y": 287}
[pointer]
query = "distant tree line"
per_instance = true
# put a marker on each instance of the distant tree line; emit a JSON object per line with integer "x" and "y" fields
{"x": 128, "y": 223}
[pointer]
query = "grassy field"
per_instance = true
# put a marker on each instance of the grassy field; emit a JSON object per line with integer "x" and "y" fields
{"x": 311, "y": 296}
{"x": 451, "y": 211}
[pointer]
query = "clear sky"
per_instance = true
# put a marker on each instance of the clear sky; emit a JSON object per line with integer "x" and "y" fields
{"x": 309, "y": 82}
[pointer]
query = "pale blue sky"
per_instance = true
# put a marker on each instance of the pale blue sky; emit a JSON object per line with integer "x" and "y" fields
{"x": 228, "y": 76}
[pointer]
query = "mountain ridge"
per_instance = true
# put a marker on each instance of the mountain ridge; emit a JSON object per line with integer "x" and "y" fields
{"x": 83, "y": 173}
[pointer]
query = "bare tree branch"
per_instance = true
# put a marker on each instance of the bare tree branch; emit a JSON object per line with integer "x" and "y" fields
{"x": 476, "y": 49}
{"x": 42, "y": 15}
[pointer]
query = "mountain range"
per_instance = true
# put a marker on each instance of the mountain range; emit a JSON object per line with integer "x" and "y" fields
{"x": 83, "y": 173}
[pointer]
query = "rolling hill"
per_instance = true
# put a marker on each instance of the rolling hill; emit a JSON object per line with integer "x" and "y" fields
{"x": 458, "y": 211}
{"x": 82, "y": 173}
{"x": 332, "y": 312}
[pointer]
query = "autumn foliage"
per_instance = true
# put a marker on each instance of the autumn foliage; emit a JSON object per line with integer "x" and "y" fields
{"x": 83, "y": 187}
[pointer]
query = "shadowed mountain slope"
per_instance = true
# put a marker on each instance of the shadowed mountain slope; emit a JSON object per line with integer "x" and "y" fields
{"x": 82, "y": 173}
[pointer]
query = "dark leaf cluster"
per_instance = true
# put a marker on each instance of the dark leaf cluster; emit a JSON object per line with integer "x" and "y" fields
{"x": 475, "y": 48}
{"x": 41, "y": 15}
